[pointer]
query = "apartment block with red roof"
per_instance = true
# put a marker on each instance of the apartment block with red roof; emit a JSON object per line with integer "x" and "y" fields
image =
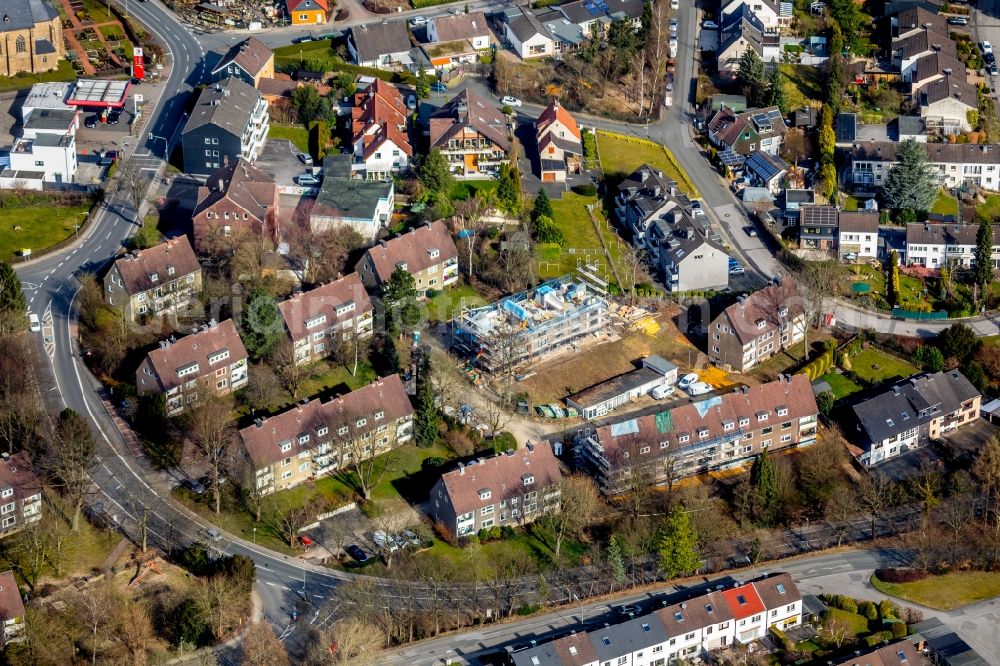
{"x": 321, "y": 319}
{"x": 513, "y": 488}
{"x": 715, "y": 433}
{"x": 20, "y": 493}
{"x": 11, "y": 609}
{"x": 237, "y": 200}
{"x": 212, "y": 361}
{"x": 155, "y": 282}
{"x": 315, "y": 437}
{"x": 472, "y": 134}
{"x": 378, "y": 132}
{"x": 560, "y": 144}
{"x": 757, "y": 327}
{"x": 427, "y": 252}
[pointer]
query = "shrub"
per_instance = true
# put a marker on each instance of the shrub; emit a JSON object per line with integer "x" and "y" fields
{"x": 586, "y": 190}
{"x": 433, "y": 293}
{"x": 885, "y": 609}
{"x": 898, "y": 629}
{"x": 900, "y": 575}
{"x": 433, "y": 461}
{"x": 847, "y": 604}
{"x": 504, "y": 441}
{"x": 868, "y": 610}
{"x": 878, "y": 637}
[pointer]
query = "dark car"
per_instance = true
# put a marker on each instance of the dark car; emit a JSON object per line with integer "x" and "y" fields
{"x": 91, "y": 122}
{"x": 989, "y": 58}
{"x": 114, "y": 117}
{"x": 355, "y": 551}
{"x": 630, "y": 610}
{"x": 194, "y": 486}
{"x": 439, "y": 87}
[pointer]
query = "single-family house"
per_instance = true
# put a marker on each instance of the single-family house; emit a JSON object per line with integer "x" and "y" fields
{"x": 308, "y": 12}
{"x": 757, "y": 327}
{"x": 527, "y": 35}
{"x": 766, "y": 170}
{"x": 858, "y": 234}
{"x": 381, "y": 45}
{"x": 472, "y": 134}
{"x": 772, "y": 14}
{"x": 743, "y": 30}
{"x": 321, "y": 320}
{"x": 158, "y": 281}
{"x": 378, "y": 132}
{"x": 236, "y": 201}
{"x": 747, "y": 132}
{"x": 249, "y": 60}
{"x": 934, "y": 245}
{"x": 364, "y": 205}
{"x": 906, "y": 51}
{"x": 560, "y": 145}
{"x": 794, "y": 201}
{"x": 689, "y": 259}
{"x": 427, "y": 252}
{"x": 11, "y": 609}
{"x": 818, "y": 227}
{"x": 945, "y": 104}
{"x": 471, "y": 28}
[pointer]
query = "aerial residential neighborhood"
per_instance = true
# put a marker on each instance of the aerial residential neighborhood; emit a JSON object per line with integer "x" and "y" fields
{"x": 571, "y": 333}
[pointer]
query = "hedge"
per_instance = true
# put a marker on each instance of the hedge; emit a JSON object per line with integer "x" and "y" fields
{"x": 818, "y": 366}
{"x": 900, "y": 575}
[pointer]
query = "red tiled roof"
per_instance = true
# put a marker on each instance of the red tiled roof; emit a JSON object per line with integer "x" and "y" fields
{"x": 467, "y": 109}
{"x": 251, "y": 55}
{"x": 552, "y": 113}
{"x": 17, "y": 472}
{"x": 263, "y": 441}
{"x": 11, "y": 605}
{"x": 324, "y": 300}
{"x": 197, "y": 348}
{"x": 245, "y": 186}
{"x": 413, "y": 248}
{"x": 764, "y": 306}
{"x": 503, "y": 475}
{"x": 743, "y": 601}
{"x": 137, "y": 268}
{"x": 379, "y": 113}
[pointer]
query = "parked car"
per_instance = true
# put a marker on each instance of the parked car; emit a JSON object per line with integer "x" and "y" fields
{"x": 673, "y": 25}
{"x": 674, "y": 4}
{"x": 91, "y": 122}
{"x": 359, "y": 555}
{"x": 385, "y": 541}
{"x": 411, "y": 102}
{"x": 661, "y": 392}
{"x": 411, "y": 538}
{"x": 736, "y": 269}
{"x": 194, "y": 486}
{"x": 114, "y": 117}
{"x": 630, "y": 610}
{"x": 989, "y": 58}
{"x": 710, "y": 25}
{"x": 33, "y": 322}
{"x": 212, "y": 534}
{"x": 305, "y": 541}
{"x": 305, "y": 158}
{"x": 957, "y": 20}
{"x": 687, "y": 380}
{"x": 439, "y": 87}
{"x": 986, "y": 47}
{"x": 418, "y": 20}
{"x": 308, "y": 180}
{"x": 992, "y": 69}
{"x": 750, "y": 231}
{"x": 510, "y": 101}
{"x": 851, "y": 256}
{"x": 699, "y": 388}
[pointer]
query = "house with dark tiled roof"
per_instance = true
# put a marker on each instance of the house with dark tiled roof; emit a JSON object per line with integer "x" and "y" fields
{"x": 900, "y": 653}
{"x": 472, "y": 134}
{"x": 913, "y": 412}
{"x": 741, "y": 31}
{"x": 11, "y": 609}
{"x": 718, "y": 432}
{"x": 912, "y": 20}
{"x": 381, "y": 45}
{"x": 867, "y": 164}
{"x": 159, "y": 281}
{"x": 857, "y": 233}
{"x": 229, "y": 121}
{"x": 747, "y": 132}
{"x": 757, "y": 327}
{"x": 249, "y": 61}
{"x": 906, "y": 51}
{"x": 528, "y": 37}
{"x": 320, "y": 320}
{"x": 320, "y": 437}
{"x": 212, "y": 361}
{"x": 509, "y": 489}
{"x": 773, "y": 14}
{"x": 934, "y": 245}
{"x": 945, "y": 104}
{"x": 427, "y": 252}
{"x": 378, "y": 132}
{"x": 766, "y": 170}
{"x": 235, "y": 201}
{"x": 560, "y": 144}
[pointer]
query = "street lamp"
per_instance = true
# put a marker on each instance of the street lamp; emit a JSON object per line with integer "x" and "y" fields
{"x": 255, "y": 534}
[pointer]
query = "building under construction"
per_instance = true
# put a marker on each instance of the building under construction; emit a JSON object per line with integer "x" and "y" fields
{"x": 517, "y": 331}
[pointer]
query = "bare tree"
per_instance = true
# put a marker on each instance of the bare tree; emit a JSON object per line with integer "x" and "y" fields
{"x": 836, "y": 631}
{"x": 633, "y": 260}
{"x": 253, "y": 494}
{"x": 875, "y": 494}
{"x": 579, "y": 504}
{"x": 263, "y": 387}
{"x": 986, "y": 469}
{"x": 134, "y": 186}
{"x": 286, "y": 521}
{"x": 71, "y": 454}
{"x": 657, "y": 51}
{"x": 261, "y": 647}
{"x": 225, "y": 603}
{"x": 138, "y": 501}
{"x": 360, "y": 453}
{"x": 356, "y": 643}
{"x": 323, "y": 255}
{"x": 469, "y": 214}
{"x": 92, "y": 607}
{"x": 213, "y": 435}
{"x": 350, "y": 349}
{"x": 840, "y": 509}
{"x": 133, "y": 627}
{"x": 505, "y": 574}
{"x": 817, "y": 281}
{"x": 446, "y": 382}
{"x": 286, "y": 367}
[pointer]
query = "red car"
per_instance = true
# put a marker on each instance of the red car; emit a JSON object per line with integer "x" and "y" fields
{"x": 305, "y": 541}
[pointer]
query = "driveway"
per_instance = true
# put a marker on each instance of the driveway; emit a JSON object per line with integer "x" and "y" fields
{"x": 279, "y": 158}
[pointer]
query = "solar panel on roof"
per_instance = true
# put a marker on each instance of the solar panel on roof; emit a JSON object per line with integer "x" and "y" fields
{"x": 731, "y": 158}
{"x": 760, "y": 118}
{"x": 774, "y": 114}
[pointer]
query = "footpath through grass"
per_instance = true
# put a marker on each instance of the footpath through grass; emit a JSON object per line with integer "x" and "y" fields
{"x": 945, "y": 592}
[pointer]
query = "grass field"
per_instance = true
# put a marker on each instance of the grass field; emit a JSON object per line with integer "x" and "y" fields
{"x": 64, "y": 72}
{"x": 945, "y": 204}
{"x": 990, "y": 209}
{"x": 877, "y": 366}
{"x": 297, "y": 134}
{"x": 841, "y": 385}
{"x": 622, "y": 155}
{"x": 803, "y": 83}
{"x": 582, "y": 241}
{"x": 856, "y": 624}
{"x": 443, "y": 306}
{"x": 945, "y": 592}
{"x": 319, "y": 51}
{"x": 36, "y": 227}
{"x": 98, "y": 10}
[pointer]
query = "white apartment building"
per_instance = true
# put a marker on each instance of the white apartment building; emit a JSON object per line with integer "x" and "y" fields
{"x": 936, "y": 245}
{"x": 50, "y": 157}
{"x": 858, "y": 234}
{"x": 956, "y": 163}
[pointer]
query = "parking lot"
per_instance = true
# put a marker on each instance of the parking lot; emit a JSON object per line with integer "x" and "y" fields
{"x": 957, "y": 449}
{"x": 279, "y": 158}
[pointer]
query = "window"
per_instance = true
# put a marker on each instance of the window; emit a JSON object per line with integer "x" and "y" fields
{"x": 485, "y": 494}
{"x": 766, "y": 431}
{"x": 683, "y": 438}
{"x": 782, "y": 411}
{"x": 303, "y": 466}
{"x": 486, "y": 510}
{"x": 744, "y": 421}
{"x": 342, "y": 430}
{"x": 7, "y": 492}
{"x": 286, "y": 461}
{"x": 7, "y": 508}
{"x": 287, "y": 446}
{"x": 362, "y": 422}
{"x": 285, "y": 475}
{"x": 379, "y": 415}
{"x": 786, "y": 438}
{"x": 528, "y": 479}
{"x": 320, "y": 432}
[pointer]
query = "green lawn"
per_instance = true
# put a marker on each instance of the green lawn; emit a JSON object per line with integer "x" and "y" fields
{"x": 443, "y": 306}
{"x": 582, "y": 240}
{"x": 36, "y": 227}
{"x": 841, "y": 385}
{"x": 945, "y": 204}
{"x": 297, "y": 134}
{"x": 621, "y": 155}
{"x": 323, "y": 376}
{"x": 240, "y": 523}
{"x": 293, "y": 54}
{"x": 857, "y": 625}
{"x": 98, "y": 11}
{"x": 990, "y": 209}
{"x": 947, "y": 591}
{"x": 877, "y": 366}
{"x": 851, "y": 203}
{"x": 463, "y": 189}
{"x": 64, "y": 72}
{"x": 803, "y": 83}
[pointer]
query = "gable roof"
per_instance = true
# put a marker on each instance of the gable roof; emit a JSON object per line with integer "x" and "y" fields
{"x": 373, "y": 40}
{"x": 937, "y": 153}
{"x": 264, "y": 438}
{"x": 526, "y": 25}
{"x": 197, "y": 348}
{"x": 949, "y": 87}
{"x": 252, "y": 55}
{"x": 243, "y": 184}
{"x": 743, "y": 601}
{"x": 138, "y": 268}
{"x": 927, "y": 233}
{"x": 921, "y": 41}
{"x": 818, "y": 216}
{"x": 324, "y": 301}
{"x": 25, "y": 15}
{"x": 763, "y": 306}
{"x": 729, "y": 126}
{"x": 468, "y": 109}
{"x": 502, "y": 475}
{"x": 452, "y": 27}
{"x": 915, "y": 18}
{"x": 413, "y": 248}
{"x": 17, "y": 472}
{"x": 306, "y": 5}
{"x": 901, "y": 653}
{"x": 777, "y": 591}
{"x": 379, "y": 114}
{"x": 765, "y": 165}
{"x": 553, "y": 113}
{"x": 11, "y": 606}
{"x": 938, "y": 63}
{"x": 858, "y": 221}
{"x": 227, "y": 104}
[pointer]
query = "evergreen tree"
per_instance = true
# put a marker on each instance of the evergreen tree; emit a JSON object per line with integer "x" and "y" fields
{"x": 647, "y": 19}
{"x": 261, "y": 324}
{"x": 677, "y": 545}
{"x": 508, "y": 191}
{"x": 752, "y": 77}
{"x": 912, "y": 181}
{"x": 827, "y": 137}
{"x": 427, "y": 417}
{"x": 616, "y": 560}
{"x": 828, "y": 182}
{"x": 834, "y": 83}
{"x": 435, "y": 175}
{"x": 13, "y": 306}
{"x": 386, "y": 360}
{"x": 423, "y": 86}
{"x": 983, "y": 270}
{"x": 543, "y": 206}
{"x": 764, "y": 492}
{"x": 776, "y": 89}
{"x": 546, "y": 231}
{"x": 399, "y": 290}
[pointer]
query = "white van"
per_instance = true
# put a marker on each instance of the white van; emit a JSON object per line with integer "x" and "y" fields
{"x": 662, "y": 391}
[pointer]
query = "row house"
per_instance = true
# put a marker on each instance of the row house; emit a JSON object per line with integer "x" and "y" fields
{"x": 472, "y": 134}
{"x": 681, "y": 632}
{"x": 906, "y": 51}
{"x": 314, "y": 438}
{"x": 757, "y": 327}
{"x": 935, "y": 245}
{"x": 747, "y": 132}
{"x": 378, "y": 132}
{"x": 914, "y": 412}
{"x": 237, "y": 200}
{"x": 229, "y": 120}
{"x": 818, "y": 227}
{"x": 509, "y": 489}
{"x": 20, "y": 493}
{"x": 210, "y": 362}
{"x": 857, "y": 234}
{"x": 320, "y": 320}
{"x": 427, "y": 252}
{"x": 716, "y": 433}
{"x": 158, "y": 281}
{"x": 957, "y": 164}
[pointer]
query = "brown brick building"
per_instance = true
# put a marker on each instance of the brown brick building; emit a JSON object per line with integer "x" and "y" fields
{"x": 31, "y": 37}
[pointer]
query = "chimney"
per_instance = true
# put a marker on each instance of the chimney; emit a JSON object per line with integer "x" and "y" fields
{"x": 461, "y": 469}
{"x": 530, "y": 447}
{"x": 259, "y": 422}
{"x": 222, "y": 184}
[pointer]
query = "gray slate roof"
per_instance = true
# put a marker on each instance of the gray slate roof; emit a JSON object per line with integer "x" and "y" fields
{"x": 19, "y": 15}
{"x": 373, "y": 40}
{"x": 227, "y": 104}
